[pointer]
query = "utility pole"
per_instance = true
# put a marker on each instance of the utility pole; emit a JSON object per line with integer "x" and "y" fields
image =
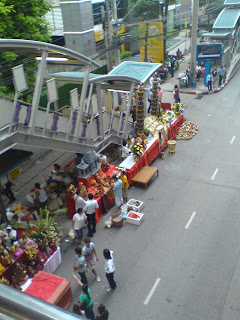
{"x": 195, "y": 5}
{"x": 116, "y": 36}
{"x": 105, "y": 28}
{"x": 109, "y": 35}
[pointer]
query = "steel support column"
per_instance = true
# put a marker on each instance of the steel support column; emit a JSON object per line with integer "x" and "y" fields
{"x": 99, "y": 103}
{"x": 128, "y": 107}
{"x": 38, "y": 89}
{"x": 82, "y": 100}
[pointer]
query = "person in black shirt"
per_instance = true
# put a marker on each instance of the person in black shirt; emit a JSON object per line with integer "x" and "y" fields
{"x": 102, "y": 312}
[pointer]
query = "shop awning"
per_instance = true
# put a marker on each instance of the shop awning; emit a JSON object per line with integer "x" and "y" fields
{"x": 141, "y": 71}
{"x": 227, "y": 18}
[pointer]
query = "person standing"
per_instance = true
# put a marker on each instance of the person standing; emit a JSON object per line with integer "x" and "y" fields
{"x": 79, "y": 201}
{"x": 91, "y": 256}
{"x": 7, "y": 190}
{"x": 125, "y": 185}
{"x": 125, "y": 151}
{"x": 79, "y": 265}
{"x": 11, "y": 235}
{"x": 85, "y": 300}
{"x": 214, "y": 74}
{"x": 117, "y": 188}
{"x": 109, "y": 269}
{"x": 89, "y": 209}
{"x": 78, "y": 221}
{"x": 176, "y": 95}
{"x": 102, "y": 312}
{"x": 159, "y": 94}
{"x": 220, "y": 75}
{"x": 41, "y": 196}
{"x": 209, "y": 82}
{"x": 150, "y": 94}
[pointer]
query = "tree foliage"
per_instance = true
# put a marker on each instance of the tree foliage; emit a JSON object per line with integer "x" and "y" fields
{"x": 21, "y": 19}
{"x": 146, "y": 9}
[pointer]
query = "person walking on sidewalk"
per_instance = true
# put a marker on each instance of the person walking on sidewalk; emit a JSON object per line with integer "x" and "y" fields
{"x": 85, "y": 300}
{"x": 78, "y": 221}
{"x": 220, "y": 75}
{"x": 89, "y": 209}
{"x": 109, "y": 269}
{"x": 176, "y": 95}
{"x": 91, "y": 256}
{"x": 79, "y": 264}
{"x": 209, "y": 82}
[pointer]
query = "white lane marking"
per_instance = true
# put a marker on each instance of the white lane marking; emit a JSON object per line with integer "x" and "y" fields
{"x": 152, "y": 291}
{"x": 214, "y": 175}
{"x": 190, "y": 220}
{"x": 233, "y": 138}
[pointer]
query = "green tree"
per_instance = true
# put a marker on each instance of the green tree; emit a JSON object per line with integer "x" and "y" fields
{"x": 21, "y": 19}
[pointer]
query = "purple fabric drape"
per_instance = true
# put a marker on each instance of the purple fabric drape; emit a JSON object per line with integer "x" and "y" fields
{"x": 74, "y": 120}
{"x": 55, "y": 121}
{"x": 83, "y": 135}
{"x": 98, "y": 129}
{"x": 28, "y": 116}
{"x": 16, "y": 114}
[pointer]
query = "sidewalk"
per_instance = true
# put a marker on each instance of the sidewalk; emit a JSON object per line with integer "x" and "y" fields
{"x": 183, "y": 43}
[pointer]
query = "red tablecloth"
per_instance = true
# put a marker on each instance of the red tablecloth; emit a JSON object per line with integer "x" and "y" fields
{"x": 173, "y": 129}
{"x": 147, "y": 158}
{"x": 152, "y": 152}
{"x": 105, "y": 202}
{"x": 51, "y": 288}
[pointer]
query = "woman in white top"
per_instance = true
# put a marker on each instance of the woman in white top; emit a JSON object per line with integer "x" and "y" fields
{"x": 109, "y": 269}
{"x": 41, "y": 195}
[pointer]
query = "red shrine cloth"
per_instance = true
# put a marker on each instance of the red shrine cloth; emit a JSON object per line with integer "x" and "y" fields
{"x": 70, "y": 203}
{"x": 146, "y": 159}
{"x": 173, "y": 129}
{"x": 51, "y": 288}
{"x": 43, "y": 285}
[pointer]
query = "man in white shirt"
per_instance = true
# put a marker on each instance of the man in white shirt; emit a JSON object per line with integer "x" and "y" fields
{"x": 78, "y": 221}
{"x": 89, "y": 210}
{"x": 11, "y": 235}
{"x": 79, "y": 201}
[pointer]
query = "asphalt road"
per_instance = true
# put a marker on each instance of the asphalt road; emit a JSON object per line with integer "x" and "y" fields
{"x": 183, "y": 261}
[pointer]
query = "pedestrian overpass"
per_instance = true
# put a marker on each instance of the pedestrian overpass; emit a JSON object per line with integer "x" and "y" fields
{"x": 91, "y": 122}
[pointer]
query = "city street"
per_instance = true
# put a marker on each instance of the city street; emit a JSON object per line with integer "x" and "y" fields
{"x": 183, "y": 261}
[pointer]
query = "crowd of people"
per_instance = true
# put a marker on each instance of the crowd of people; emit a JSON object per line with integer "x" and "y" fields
{"x": 86, "y": 257}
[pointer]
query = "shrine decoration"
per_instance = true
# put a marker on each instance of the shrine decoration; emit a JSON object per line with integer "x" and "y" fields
{"x": 140, "y": 109}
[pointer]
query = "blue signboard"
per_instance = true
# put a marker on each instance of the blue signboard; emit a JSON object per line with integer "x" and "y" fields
{"x": 209, "y": 52}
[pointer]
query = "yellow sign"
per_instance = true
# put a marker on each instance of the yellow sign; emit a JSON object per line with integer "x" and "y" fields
{"x": 153, "y": 32}
{"x": 15, "y": 172}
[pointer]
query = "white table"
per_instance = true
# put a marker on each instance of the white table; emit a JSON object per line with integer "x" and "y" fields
{"x": 53, "y": 262}
{"x": 129, "y": 162}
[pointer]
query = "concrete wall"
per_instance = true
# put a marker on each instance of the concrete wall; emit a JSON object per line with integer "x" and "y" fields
{"x": 78, "y": 26}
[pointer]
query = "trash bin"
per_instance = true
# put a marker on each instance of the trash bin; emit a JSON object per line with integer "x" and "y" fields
{"x": 193, "y": 84}
{"x": 171, "y": 146}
